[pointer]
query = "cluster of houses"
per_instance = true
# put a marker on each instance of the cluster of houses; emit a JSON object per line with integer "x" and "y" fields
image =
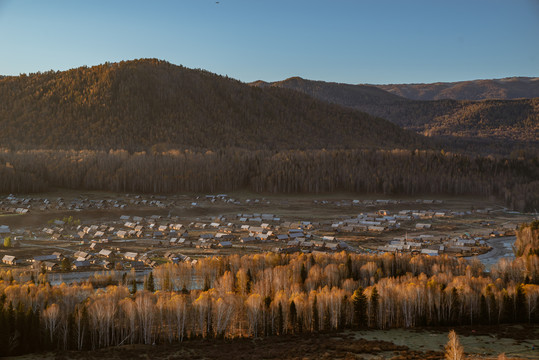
{"x": 306, "y": 243}
{"x": 432, "y": 245}
{"x": 383, "y": 220}
{"x": 378, "y": 221}
{"x": 104, "y": 245}
{"x": 224, "y": 198}
{"x": 22, "y": 205}
{"x": 220, "y": 232}
{"x": 127, "y": 228}
{"x": 153, "y": 201}
{"x": 292, "y": 236}
{"x": 372, "y": 203}
{"x": 257, "y": 218}
{"x": 81, "y": 260}
{"x": 52, "y": 262}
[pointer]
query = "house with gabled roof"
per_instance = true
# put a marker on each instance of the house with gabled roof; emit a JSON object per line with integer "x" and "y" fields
{"x": 42, "y": 258}
{"x": 9, "y": 260}
{"x": 50, "y": 266}
{"x": 131, "y": 256}
{"x": 105, "y": 253}
{"x": 82, "y": 254}
{"x": 4, "y": 229}
{"x": 77, "y": 264}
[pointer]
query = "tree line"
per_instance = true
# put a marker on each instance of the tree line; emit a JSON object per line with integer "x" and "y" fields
{"x": 391, "y": 172}
{"x": 264, "y": 295}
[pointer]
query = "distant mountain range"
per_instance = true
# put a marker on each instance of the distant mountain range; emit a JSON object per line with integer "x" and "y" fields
{"x": 145, "y": 103}
{"x": 138, "y": 104}
{"x": 498, "y": 120}
{"x": 342, "y": 94}
{"x": 500, "y": 89}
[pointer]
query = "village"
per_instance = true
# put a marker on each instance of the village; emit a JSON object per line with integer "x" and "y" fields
{"x": 136, "y": 232}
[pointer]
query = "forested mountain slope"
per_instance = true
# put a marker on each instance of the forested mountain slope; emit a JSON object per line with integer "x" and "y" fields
{"x": 516, "y": 120}
{"x": 137, "y": 104}
{"x": 499, "y": 120}
{"x": 150, "y": 126}
{"x": 501, "y": 89}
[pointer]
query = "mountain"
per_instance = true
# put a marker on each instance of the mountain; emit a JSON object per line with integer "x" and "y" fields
{"x": 150, "y": 126}
{"x": 338, "y": 93}
{"x": 138, "y": 104}
{"x": 501, "y": 89}
{"x": 513, "y": 122}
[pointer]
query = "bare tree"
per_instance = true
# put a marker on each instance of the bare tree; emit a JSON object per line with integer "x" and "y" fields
{"x": 178, "y": 306}
{"x": 254, "y": 308}
{"x": 223, "y": 309}
{"x": 51, "y": 315}
{"x": 80, "y": 316}
{"x": 145, "y": 311}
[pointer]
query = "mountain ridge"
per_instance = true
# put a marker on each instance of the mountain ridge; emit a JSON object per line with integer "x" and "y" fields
{"x": 509, "y": 88}
{"x": 444, "y": 90}
{"x": 493, "y": 120}
{"x": 142, "y": 103}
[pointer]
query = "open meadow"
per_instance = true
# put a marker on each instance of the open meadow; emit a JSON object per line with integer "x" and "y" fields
{"x": 486, "y": 343}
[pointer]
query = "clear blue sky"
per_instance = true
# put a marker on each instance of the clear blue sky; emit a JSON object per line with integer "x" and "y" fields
{"x": 351, "y": 41}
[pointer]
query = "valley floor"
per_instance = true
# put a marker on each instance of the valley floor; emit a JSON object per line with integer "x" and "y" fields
{"x": 328, "y": 215}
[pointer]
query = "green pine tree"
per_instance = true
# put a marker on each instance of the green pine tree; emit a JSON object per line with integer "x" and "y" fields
{"x": 249, "y": 282}
{"x": 520, "y": 304}
{"x": 149, "y": 283}
{"x": 455, "y": 306}
{"x": 359, "y": 301}
{"x": 292, "y": 317}
{"x": 207, "y": 284}
{"x": 374, "y": 300}
{"x": 303, "y": 274}
{"x": 316, "y": 319}
{"x": 65, "y": 264}
{"x": 133, "y": 289}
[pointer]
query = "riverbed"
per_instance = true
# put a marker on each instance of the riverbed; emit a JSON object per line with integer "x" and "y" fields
{"x": 80, "y": 276}
{"x": 502, "y": 247}
{"x": 56, "y": 279}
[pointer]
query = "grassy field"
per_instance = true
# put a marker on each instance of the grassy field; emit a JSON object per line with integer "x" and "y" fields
{"x": 396, "y": 344}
